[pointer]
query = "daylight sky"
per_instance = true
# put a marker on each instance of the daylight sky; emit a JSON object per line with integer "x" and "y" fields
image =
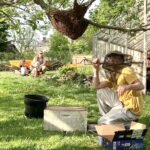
{"x": 94, "y": 4}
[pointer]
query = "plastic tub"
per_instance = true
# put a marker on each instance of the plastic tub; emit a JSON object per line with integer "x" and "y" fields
{"x": 35, "y": 105}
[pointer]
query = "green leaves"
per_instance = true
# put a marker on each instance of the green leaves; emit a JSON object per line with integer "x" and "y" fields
{"x": 3, "y": 35}
{"x": 117, "y": 13}
{"x": 80, "y": 46}
{"x": 33, "y": 24}
{"x": 59, "y": 48}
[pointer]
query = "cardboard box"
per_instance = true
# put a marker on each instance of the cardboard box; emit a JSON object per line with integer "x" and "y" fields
{"x": 65, "y": 118}
{"x": 116, "y": 137}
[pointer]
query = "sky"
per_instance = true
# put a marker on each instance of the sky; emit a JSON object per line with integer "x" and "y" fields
{"x": 94, "y": 4}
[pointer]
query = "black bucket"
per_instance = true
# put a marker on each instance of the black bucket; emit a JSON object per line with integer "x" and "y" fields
{"x": 35, "y": 105}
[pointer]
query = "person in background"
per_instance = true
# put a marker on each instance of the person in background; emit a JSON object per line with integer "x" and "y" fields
{"x": 119, "y": 95}
{"x": 38, "y": 65}
{"x": 24, "y": 70}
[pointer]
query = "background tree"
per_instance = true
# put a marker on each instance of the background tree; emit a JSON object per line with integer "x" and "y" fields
{"x": 24, "y": 38}
{"x": 7, "y": 49}
{"x": 59, "y": 49}
{"x": 83, "y": 45}
{"x": 123, "y": 13}
{"x": 3, "y": 35}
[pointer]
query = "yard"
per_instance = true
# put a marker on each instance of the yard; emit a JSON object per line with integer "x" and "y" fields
{"x": 20, "y": 133}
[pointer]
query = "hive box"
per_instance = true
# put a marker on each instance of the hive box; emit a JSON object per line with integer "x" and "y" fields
{"x": 116, "y": 137}
{"x": 58, "y": 118}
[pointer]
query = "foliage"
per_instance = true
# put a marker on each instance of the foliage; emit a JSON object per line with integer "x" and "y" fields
{"x": 22, "y": 14}
{"x": 27, "y": 55}
{"x": 26, "y": 12}
{"x": 122, "y": 13}
{"x": 82, "y": 45}
{"x": 24, "y": 18}
{"x": 3, "y": 31}
{"x": 16, "y": 56}
{"x": 24, "y": 39}
{"x": 59, "y": 49}
{"x": 118, "y": 13}
{"x": 66, "y": 68}
{"x": 8, "y": 56}
{"x": 75, "y": 74}
{"x": 67, "y": 73}
{"x": 85, "y": 70}
{"x": 3, "y": 35}
{"x": 60, "y": 3}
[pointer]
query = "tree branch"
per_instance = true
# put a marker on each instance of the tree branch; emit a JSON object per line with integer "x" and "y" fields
{"x": 6, "y": 15}
{"x": 43, "y": 5}
{"x": 88, "y": 3}
{"x": 142, "y": 28}
{"x": 61, "y": 4}
{"x": 48, "y": 7}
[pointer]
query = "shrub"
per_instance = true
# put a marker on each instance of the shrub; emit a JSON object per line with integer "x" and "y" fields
{"x": 67, "y": 68}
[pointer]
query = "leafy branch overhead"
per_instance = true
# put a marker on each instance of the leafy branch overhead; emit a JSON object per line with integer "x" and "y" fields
{"x": 7, "y": 2}
{"x": 71, "y": 22}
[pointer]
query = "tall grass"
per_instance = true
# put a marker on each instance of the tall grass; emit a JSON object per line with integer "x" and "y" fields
{"x": 20, "y": 133}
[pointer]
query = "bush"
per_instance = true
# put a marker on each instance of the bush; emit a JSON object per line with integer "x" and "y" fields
{"x": 66, "y": 68}
{"x": 59, "y": 50}
{"x": 27, "y": 55}
{"x": 8, "y": 56}
{"x": 5, "y": 56}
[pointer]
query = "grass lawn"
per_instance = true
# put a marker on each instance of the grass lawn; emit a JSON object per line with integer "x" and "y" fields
{"x": 20, "y": 133}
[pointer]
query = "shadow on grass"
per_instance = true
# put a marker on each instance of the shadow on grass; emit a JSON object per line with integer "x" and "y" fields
{"x": 31, "y": 131}
{"x": 21, "y": 128}
{"x": 77, "y": 147}
{"x": 64, "y": 147}
{"x": 8, "y": 103}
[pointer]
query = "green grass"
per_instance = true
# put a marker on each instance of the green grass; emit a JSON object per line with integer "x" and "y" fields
{"x": 20, "y": 133}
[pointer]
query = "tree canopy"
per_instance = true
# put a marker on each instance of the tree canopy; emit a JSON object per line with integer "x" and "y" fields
{"x": 59, "y": 48}
{"x": 111, "y": 14}
{"x": 3, "y": 35}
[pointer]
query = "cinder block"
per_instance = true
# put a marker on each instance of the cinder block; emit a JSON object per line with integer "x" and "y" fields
{"x": 59, "y": 118}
